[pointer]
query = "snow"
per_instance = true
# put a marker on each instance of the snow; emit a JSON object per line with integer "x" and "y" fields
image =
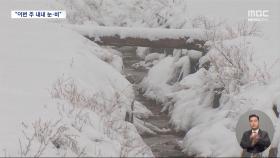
{"x": 152, "y": 34}
{"x": 141, "y": 110}
{"x": 35, "y": 55}
{"x": 164, "y": 14}
{"x": 185, "y": 64}
{"x": 163, "y": 74}
{"x": 194, "y": 54}
{"x": 209, "y": 129}
{"x": 142, "y": 52}
{"x": 52, "y": 80}
{"x": 153, "y": 56}
{"x": 155, "y": 84}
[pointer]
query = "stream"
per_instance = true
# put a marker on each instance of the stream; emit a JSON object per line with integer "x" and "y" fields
{"x": 163, "y": 144}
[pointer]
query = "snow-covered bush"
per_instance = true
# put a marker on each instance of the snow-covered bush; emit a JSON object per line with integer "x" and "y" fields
{"x": 234, "y": 76}
{"x": 145, "y": 13}
{"x": 231, "y": 66}
{"x": 62, "y": 94}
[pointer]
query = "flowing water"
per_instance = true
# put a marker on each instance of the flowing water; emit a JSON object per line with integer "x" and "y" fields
{"x": 163, "y": 144}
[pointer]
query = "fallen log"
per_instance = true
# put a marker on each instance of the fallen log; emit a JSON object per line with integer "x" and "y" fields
{"x": 144, "y": 37}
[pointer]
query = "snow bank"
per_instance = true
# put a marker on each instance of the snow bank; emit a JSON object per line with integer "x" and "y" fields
{"x": 155, "y": 84}
{"x": 58, "y": 98}
{"x": 166, "y": 71}
{"x": 246, "y": 76}
{"x": 211, "y": 130}
{"x": 210, "y": 127}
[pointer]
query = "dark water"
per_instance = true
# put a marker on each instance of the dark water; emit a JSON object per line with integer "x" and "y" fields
{"x": 163, "y": 144}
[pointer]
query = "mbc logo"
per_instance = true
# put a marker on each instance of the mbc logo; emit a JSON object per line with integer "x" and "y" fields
{"x": 258, "y": 15}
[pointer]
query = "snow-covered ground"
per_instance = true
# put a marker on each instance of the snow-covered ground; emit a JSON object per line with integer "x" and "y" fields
{"x": 245, "y": 65}
{"x": 61, "y": 94}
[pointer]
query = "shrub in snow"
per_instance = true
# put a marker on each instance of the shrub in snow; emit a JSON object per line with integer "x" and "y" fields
{"x": 226, "y": 92}
{"x": 136, "y": 13}
{"x": 72, "y": 122}
{"x": 234, "y": 76}
{"x": 81, "y": 114}
{"x": 66, "y": 93}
